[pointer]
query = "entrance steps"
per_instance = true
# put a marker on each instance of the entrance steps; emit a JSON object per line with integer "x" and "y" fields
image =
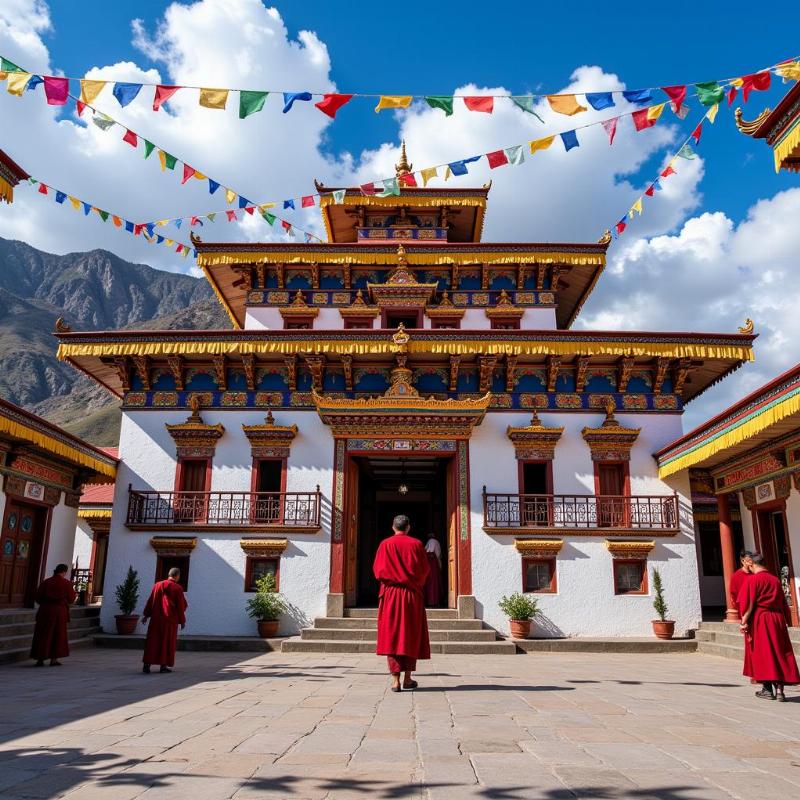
{"x": 356, "y": 632}
{"x": 724, "y": 639}
{"x": 16, "y": 630}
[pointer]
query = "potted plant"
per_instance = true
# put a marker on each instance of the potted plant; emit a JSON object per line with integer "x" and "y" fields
{"x": 520, "y": 610}
{"x": 663, "y": 628}
{"x": 127, "y": 596}
{"x": 266, "y": 606}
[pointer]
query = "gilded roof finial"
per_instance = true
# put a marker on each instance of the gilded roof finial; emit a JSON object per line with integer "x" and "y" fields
{"x": 401, "y": 255}
{"x": 749, "y": 128}
{"x": 605, "y": 238}
{"x": 403, "y": 168}
{"x": 611, "y": 406}
{"x": 748, "y": 326}
{"x": 269, "y": 419}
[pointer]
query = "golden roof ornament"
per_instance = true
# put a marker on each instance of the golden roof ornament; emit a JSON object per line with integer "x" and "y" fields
{"x": 748, "y": 327}
{"x": 749, "y": 128}
{"x": 611, "y": 407}
{"x": 62, "y": 326}
{"x": 194, "y": 407}
{"x": 400, "y": 336}
{"x": 605, "y": 238}
{"x": 403, "y": 168}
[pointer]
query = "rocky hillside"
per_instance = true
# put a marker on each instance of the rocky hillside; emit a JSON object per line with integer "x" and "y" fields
{"x": 92, "y": 291}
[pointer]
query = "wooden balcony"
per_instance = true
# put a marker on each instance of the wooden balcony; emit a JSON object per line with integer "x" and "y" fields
{"x": 278, "y": 512}
{"x": 580, "y": 514}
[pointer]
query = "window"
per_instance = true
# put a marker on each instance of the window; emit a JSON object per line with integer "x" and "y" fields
{"x": 630, "y": 576}
{"x": 268, "y": 482}
{"x": 410, "y": 318}
{"x": 505, "y": 324}
{"x": 612, "y": 489}
{"x": 535, "y": 479}
{"x": 539, "y": 575}
{"x": 165, "y": 563}
{"x": 439, "y": 324}
{"x": 357, "y": 324}
{"x": 192, "y": 478}
{"x": 298, "y": 325}
{"x": 257, "y": 567}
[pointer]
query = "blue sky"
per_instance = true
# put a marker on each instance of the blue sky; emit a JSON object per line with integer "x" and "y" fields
{"x": 428, "y": 48}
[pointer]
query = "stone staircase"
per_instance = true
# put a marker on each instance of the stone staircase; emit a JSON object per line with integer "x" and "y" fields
{"x": 357, "y": 631}
{"x": 724, "y": 639}
{"x": 16, "y": 630}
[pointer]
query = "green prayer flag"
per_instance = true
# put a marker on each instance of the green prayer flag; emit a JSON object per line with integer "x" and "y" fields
{"x": 211, "y": 217}
{"x": 103, "y": 214}
{"x": 390, "y": 187}
{"x": 9, "y": 66}
{"x": 268, "y": 217}
{"x": 443, "y": 101}
{"x": 687, "y": 152}
{"x": 709, "y": 94}
{"x": 148, "y": 148}
{"x": 525, "y": 102}
{"x": 170, "y": 161}
{"x": 250, "y": 103}
{"x": 515, "y": 155}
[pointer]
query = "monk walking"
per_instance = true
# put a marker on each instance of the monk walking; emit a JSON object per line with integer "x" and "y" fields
{"x": 401, "y": 566}
{"x": 739, "y": 579}
{"x": 166, "y": 609}
{"x": 433, "y": 583}
{"x": 54, "y": 596}
{"x": 772, "y": 660}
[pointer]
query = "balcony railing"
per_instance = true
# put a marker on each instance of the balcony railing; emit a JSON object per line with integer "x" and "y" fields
{"x": 270, "y": 510}
{"x": 551, "y": 512}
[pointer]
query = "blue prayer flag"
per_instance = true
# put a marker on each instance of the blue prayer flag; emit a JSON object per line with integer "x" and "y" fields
{"x": 570, "y": 140}
{"x": 126, "y": 92}
{"x": 128, "y": 226}
{"x": 60, "y": 197}
{"x": 290, "y": 97}
{"x": 87, "y": 207}
{"x": 194, "y": 253}
{"x": 600, "y": 100}
{"x": 288, "y": 203}
{"x": 244, "y": 202}
{"x": 159, "y": 238}
{"x": 150, "y": 228}
{"x": 178, "y": 223}
{"x": 638, "y": 96}
{"x": 460, "y": 167}
{"x": 34, "y": 81}
{"x": 212, "y": 186}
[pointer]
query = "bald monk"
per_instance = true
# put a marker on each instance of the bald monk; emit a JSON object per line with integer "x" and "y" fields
{"x": 401, "y": 566}
{"x": 766, "y": 618}
{"x": 54, "y": 596}
{"x": 166, "y": 609}
{"x": 739, "y": 579}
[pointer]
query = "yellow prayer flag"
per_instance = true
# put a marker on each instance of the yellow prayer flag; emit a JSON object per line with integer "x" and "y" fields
{"x": 711, "y": 114}
{"x": 737, "y": 82}
{"x": 3, "y": 76}
{"x": 213, "y": 98}
{"x": 76, "y": 204}
{"x": 565, "y": 104}
{"x": 199, "y": 176}
{"x": 541, "y": 144}
{"x": 789, "y": 71}
{"x": 393, "y": 101}
{"x": 230, "y": 195}
{"x": 427, "y": 174}
{"x": 637, "y": 206}
{"x": 265, "y": 206}
{"x": 654, "y": 112}
{"x": 169, "y": 242}
{"x": 447, "y": 173}
{"x": 162, "y": 222}
{"x": 162, "y": 157}
{"x": 90, "y": 90}
{"x": 17, "y": 82}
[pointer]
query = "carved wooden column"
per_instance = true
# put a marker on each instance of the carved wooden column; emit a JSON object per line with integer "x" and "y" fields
{"x": 728, "y": 554}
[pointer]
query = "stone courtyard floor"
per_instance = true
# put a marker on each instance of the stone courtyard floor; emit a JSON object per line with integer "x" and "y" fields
{"x": 677, "y": 727}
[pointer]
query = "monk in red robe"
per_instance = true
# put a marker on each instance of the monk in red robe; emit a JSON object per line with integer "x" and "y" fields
{"x": 739, "y": 579}
{"x": 401, "y": 566}
{"x": 54, "y": 596}
{"x": 766, "y": 619}
{"x": 166, "y": 609}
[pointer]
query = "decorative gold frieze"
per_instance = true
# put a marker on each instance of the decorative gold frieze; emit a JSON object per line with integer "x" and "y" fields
{"x": 264, "y": 548}
{"x": 535, "y": 441}
{"x": 194, "y": 438}
{"x": 623, "y": 548}
{"x": 173, "y": 545}
{"x": 611, "y": 441}
{"x": 358, "y": 309}
{"x": 539, "y": 548}
{"x": 504, "y": 309}
{"x": 298, "y": 308}
{"x": 446, "y": 310}
{"x": 270, "y": 440}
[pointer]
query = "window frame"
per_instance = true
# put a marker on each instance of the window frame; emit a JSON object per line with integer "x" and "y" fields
{"x": 552, "y": 566}
{"x": 644, "y": 587}
{"x": 162, "y": 568}
{"x": 249, "y": 586}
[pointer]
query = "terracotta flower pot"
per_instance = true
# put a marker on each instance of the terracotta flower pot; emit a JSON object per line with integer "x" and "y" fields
{"x": 267, "y": 628}
{"x": 126, "y": 623}
{"x": 664, "y": 629}
{"x": 520, "y": 628}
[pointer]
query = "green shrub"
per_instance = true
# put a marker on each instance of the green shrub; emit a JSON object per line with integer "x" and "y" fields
{"x": 127, "y": 593}
{"x": 659, "y": 603}
{"x": 266, "y": 603}
{"x": 519, "y": 606}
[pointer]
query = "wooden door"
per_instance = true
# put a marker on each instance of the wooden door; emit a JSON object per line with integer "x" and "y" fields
{"x": 611, "y": 510}
{"x": 777, "y": 554}
{"x": 452, "y": 531}
{"x": 99, "y": 564}
{"x": 19, "y": 547}
{"x": 351, "y": 523}
{"x": 190, "y": 502}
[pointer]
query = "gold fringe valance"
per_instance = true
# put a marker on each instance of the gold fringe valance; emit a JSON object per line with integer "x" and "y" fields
{"x": 441, "y": 347}
{"x": 404, "y": 200}
{"x": 6, "y": 190}
{"x": 368, "y": 257}
{"x": 94, "y": 513}
{"x": 56, "y": 447}
{"x": 787, "y": 146}
{"x": 759, "y": 421}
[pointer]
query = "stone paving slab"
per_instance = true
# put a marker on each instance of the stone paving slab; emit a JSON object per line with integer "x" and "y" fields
{"x": 228, "y": 726}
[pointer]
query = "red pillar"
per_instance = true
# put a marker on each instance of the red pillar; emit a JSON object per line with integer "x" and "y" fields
{"x": 728, "y": 554}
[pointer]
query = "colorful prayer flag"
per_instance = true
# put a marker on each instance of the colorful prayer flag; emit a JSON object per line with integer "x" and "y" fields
{"x": 8, "y": 66}
{"x": 460, "y": 167}
{"x": 677, "y": 96}
{"x": 212, "y": 186}
{"x": 102, "y": 121}
{"x": 641, "y": 120}
{"x": 654, "y": 112}
{"x": 393, "y": 101}
{"x": 167, "y": 161}
{"x": 131, "y": 138}
{"x": 162, "y": 94}
{"x": 230, "y": 196}
{"x": 270, "y": 218}
{"x": 91, "y": 89}
{"x": 526, "y": 102}
{"x": 213, "y": 98}
{"x": 16, "y": 82}
{"x": 711, "y": 114}
{"x": 60, "y": 197}
{"x": 231, "y": 215}
{"x": 687, "y": 152}
{"x": 42, "y": 189}
{"x": 789, "y": 70}
{"x": 427, "y": 174}
{"x": 515, "y": 155}
{"x": 76, "y": 204}
{"x": 331, "y": 103}
{"x": 565, "y": 104}
{"x": 148, "y": 148}
{"x": 243, "y": 202}
{"x": 731, "y": 95}
{"x": 696, "y": 133}
{"x": 639, "y": 96}
{"x": 338, "y": 196}
{"x": 569, "y": 139}
{"x": 56, "y": 91}
{"x": 709, "y": 93}
{"x": 667, "y": 171}
{"x": 441, "y": 101}
{"x": 407, "y": 179}
{"x": 610, "y": 126}
{"x": 80, "y": 106}
{"x": 289, "y": 99}
{"x": 390, "y": 187}
{"x": 759, "y": 82}
{"x": 540, "y": 144}
{"x": 497, "y": 158}
{"x": 483, "y": 103}
{"x": 127, "y": 92}
{"x": 600, "y": 100}
{"x": 187, "y": 173}
{"x": 251, "y": 103}
{"x": 307, "y": 201}
{"x": 288, "y": 204}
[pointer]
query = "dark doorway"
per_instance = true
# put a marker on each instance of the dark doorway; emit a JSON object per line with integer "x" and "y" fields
{"x": 165, "y": 563}
{"x": 21, "y": 553}
{"x": 414, "y": 486}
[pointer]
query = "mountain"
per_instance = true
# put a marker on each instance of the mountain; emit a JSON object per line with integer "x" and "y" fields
{"x": 91, "y": 291}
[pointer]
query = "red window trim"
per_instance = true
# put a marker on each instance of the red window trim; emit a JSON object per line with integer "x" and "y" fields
{"x": 179, "y": 472}
{"x": 248, "y": 571}
{"x": 302, "y": 324}
{"x": 505, "y": 324}
{"x": 161, "y": 573}
{"x": 645, "y": 587}
{"x": 254, "y": 473}
{"x": 358, "y": 324}
{"x": 405, "y": 312}
{"x": 626, "y": 476}
{"x": 548, "y": 472}
{"x": 446, "y": 324}
{"x": 551, "y": 563}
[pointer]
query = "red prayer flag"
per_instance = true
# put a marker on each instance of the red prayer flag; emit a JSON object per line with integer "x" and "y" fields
{"x": 331, "y": 103}
{"x": 667, "y": 171}
{"x": 641, "y": 121}
{"x": 621, "y": 227}
{"x": 249, "y": 210}
{"x": 696, "y": 133}
{"x": 758, "y": 82}
{"x": 179, "y": 248}
{"x": 485, "y": 104}
{"x": 650, "y": 190}
{"x": 610, "y": 126}
{"x": 731, "y": 95}
{"x": 287, "y": 226}
{"x": 194, "y": 221}
{"x": 163, "y": 93}
{"x": 307, "y": 201}
{"x": 231, "y": 216}
{"x": 80, "y": 107}
{"x": 56, "y": 90}
{"x": 408, "y": 179}
{"x": 137, "y": 229}
{"x": 676, "y": 94}
{"x": 42, "y": 189}
{"x": 497, "y": 158}
{"x": 187, "y": 173}
{"x": 131, "y": 138}
{"x": 368, "y": 188}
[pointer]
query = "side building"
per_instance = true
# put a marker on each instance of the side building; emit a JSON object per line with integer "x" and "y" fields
{"x": 406, "y": 365}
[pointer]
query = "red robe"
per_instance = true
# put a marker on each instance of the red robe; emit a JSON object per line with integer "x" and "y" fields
{"x": 166, "y": 608}
{"x": 737, "y": 586}
{"x": 50, "y": 640}
{"x": 771, "y": 655}
{"x": 401, "y": 566}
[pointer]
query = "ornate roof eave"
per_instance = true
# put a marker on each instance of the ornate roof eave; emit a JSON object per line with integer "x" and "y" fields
{"x": 264, "y": 548}
{"x": 752, "y": 128}
{"x": 359, "y": 309}
{"x": 535, "y": 432}
{"x": 270, "y": 431}
{"x": 504, "y": 309}
{"x": 629, "y": 549}
{"x": 298, "y": 308}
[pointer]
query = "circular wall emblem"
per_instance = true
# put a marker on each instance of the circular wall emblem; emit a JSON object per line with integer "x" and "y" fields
{"x": 23, "y": 548}
{"x": 12, "y": 521}
{"x": 8, "y": 547}
{"x": 26, "y": 524}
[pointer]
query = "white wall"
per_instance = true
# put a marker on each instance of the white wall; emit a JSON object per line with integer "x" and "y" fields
{"x": 585, "y": 604}
{"x": 793, "y": 523}
{"x": 82, "y": 549}
{"x": 216, "y": 593}
{"x": 63, "y": 521}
